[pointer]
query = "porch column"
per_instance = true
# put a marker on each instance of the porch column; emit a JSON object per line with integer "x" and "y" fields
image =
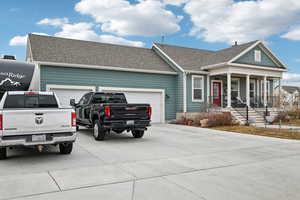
{"x": 208, "y": 89}
{"x": 279, "y": 92}
{"x": 248, "y": 90}
{"x": 265, "y": 90}
{"x": 229, "y": 90}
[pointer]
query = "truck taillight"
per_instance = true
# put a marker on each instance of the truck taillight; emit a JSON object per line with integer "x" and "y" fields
{"x": 107, "y": 111}
{"x": 149, "y": 111}
{"x": 73, "y": 119}
{"x": 1, "y": 122}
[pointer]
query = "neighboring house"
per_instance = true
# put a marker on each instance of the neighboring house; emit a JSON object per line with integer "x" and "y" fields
{"x": 172, "y": 79}
{"x": 289, "y": 95}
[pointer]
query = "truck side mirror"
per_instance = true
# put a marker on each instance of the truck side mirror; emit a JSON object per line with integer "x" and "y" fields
{"x": 72, "y": 102}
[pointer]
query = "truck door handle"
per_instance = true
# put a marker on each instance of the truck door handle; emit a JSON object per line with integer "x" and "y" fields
{"x": 38, "y": 113}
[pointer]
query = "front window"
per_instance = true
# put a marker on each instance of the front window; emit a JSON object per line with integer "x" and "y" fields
{"x": 197, "y": 84}
{"x": 235, "y": 88}
{"x": 252, "y": 88}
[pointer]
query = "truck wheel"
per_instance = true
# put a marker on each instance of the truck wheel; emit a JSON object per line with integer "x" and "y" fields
{"x": 137, "y": 134}
{"x": 3, "y": 153}
{"x": 99, "y": 133}
{"x": 65, "y": 148}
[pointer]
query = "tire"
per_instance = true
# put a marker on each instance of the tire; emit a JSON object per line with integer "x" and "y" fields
{"x": 65, "y": 148}
{"x": 99, "y": 133}
{"x": 3, "y": 153}
{"x": 137, "y": 134}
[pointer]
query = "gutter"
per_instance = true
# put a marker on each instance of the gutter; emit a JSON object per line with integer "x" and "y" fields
{"x": 105, "y": 68}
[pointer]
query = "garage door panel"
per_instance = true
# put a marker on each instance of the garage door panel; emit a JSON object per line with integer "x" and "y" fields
{"x": 64, "y": 95}
{"x": 152, "y": 98}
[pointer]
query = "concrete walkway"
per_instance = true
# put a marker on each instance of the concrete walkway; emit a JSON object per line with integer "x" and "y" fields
{"x": 170, "y": 162}
{"x": 278, "y": 126}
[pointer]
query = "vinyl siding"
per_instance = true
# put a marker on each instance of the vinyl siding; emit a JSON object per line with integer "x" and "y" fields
{"x": 248, "y": 58}
{"x": 195, "y": 106}
{"x": 105, "y": 78}
{"x": 179, "y": 84}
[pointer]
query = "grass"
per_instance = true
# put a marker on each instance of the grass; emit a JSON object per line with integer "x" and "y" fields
{"x": 278, "y": 133}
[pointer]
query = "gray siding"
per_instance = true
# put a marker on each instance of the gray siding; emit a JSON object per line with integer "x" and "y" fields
{"x": 106, "y": 78}
{"x": 195, "y": 106}
{"x": 179, "y": 84}
{"x": 248, "y": 58}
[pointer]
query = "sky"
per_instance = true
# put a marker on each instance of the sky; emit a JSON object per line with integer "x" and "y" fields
{"x": 203, "y": 24}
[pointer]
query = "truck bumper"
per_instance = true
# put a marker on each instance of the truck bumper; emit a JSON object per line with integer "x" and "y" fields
{"x": 127, "y": 125}
{"x": 26, "y": 140}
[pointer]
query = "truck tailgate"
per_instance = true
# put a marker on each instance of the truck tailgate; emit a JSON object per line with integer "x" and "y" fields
{"x": 130, "y": 111}
{"x": 23, "y": 121}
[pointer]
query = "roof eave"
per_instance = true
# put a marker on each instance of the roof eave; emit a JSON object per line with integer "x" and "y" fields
{"x": 104, "y": 67}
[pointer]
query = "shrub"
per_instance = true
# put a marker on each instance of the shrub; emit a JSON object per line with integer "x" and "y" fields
{"x": 283, "y": 117}
{"x": 219, "y": 119}
{"x": 210, "y": 119}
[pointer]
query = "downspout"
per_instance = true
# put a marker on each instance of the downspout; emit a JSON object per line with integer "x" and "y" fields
{"x": 184, "y": 93}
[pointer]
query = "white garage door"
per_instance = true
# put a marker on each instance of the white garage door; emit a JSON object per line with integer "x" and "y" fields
{"x": 155, "y": 99}
{"x": 65, "y": 94}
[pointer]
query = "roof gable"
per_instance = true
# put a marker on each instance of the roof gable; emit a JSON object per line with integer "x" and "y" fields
{"x": 70, "y": 51}
{"x": 193, "y": 59}
{"x": 268, "y": 59}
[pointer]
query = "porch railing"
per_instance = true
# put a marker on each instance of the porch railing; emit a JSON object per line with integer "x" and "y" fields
{"x": 240, "y": 102}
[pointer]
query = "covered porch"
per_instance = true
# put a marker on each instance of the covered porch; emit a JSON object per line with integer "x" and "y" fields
{"x": 234, "y": 87}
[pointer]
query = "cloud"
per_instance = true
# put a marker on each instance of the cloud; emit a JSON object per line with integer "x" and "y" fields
{"x": 54, "y": 22}
{"x": 21, "y": 40}
{"x": 228, "y": 20}
{"x": 84, "y": 31}
{"x": 174, "y": 2}
{"x": 293, "y": 34}
{"x": 291, "y": 77}
{"x": 144, "y": 18}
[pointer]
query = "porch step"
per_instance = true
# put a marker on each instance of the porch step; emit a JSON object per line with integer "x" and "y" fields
{"x": 239, "y": 115}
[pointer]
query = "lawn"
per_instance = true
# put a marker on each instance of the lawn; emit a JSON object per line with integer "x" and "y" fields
{"x": 278, "y": 133}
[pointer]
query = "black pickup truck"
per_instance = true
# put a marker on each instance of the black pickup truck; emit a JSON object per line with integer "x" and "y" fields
{"x": 105, "y": 112}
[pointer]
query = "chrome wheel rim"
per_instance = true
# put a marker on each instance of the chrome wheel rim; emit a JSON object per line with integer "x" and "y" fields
{"x": 96, "y": 131}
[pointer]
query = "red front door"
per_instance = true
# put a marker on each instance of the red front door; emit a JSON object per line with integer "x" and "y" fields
{"x": 217, "y": 93}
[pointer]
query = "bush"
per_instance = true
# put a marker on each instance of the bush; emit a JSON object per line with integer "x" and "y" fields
{"x": 283, "y": 117}
{"x": 219, "y": 119}
{"x": 212, "y": 119}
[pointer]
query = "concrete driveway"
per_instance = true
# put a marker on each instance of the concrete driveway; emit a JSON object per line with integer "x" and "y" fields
{"x": 170, "y": 162}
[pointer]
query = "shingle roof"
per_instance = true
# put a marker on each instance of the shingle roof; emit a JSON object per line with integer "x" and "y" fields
{"x": 62, "y": 50}
{"x": 193, "y": 59}
{"x": 290, "y": 89}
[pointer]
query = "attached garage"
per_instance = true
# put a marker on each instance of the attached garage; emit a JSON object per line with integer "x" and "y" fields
{"x": 154, "y": 97}
{"x": 71, "y": 68}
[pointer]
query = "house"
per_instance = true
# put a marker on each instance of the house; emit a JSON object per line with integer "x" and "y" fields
{"x": 172, "y": 79}
{"x": 289, "y": 95}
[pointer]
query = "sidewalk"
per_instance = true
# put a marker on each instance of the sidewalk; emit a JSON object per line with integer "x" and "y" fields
{"x": 277, "y": 126}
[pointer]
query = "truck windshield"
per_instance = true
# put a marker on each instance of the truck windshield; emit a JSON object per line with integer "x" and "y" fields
{"x": 109, "y": 98}
{"x": 30, "y": 101}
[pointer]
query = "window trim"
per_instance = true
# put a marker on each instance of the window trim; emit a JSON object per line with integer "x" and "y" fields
{"x": 257, "y": 56}
{"x": 193, "y": 99}
{"x": 239, "y": 86}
